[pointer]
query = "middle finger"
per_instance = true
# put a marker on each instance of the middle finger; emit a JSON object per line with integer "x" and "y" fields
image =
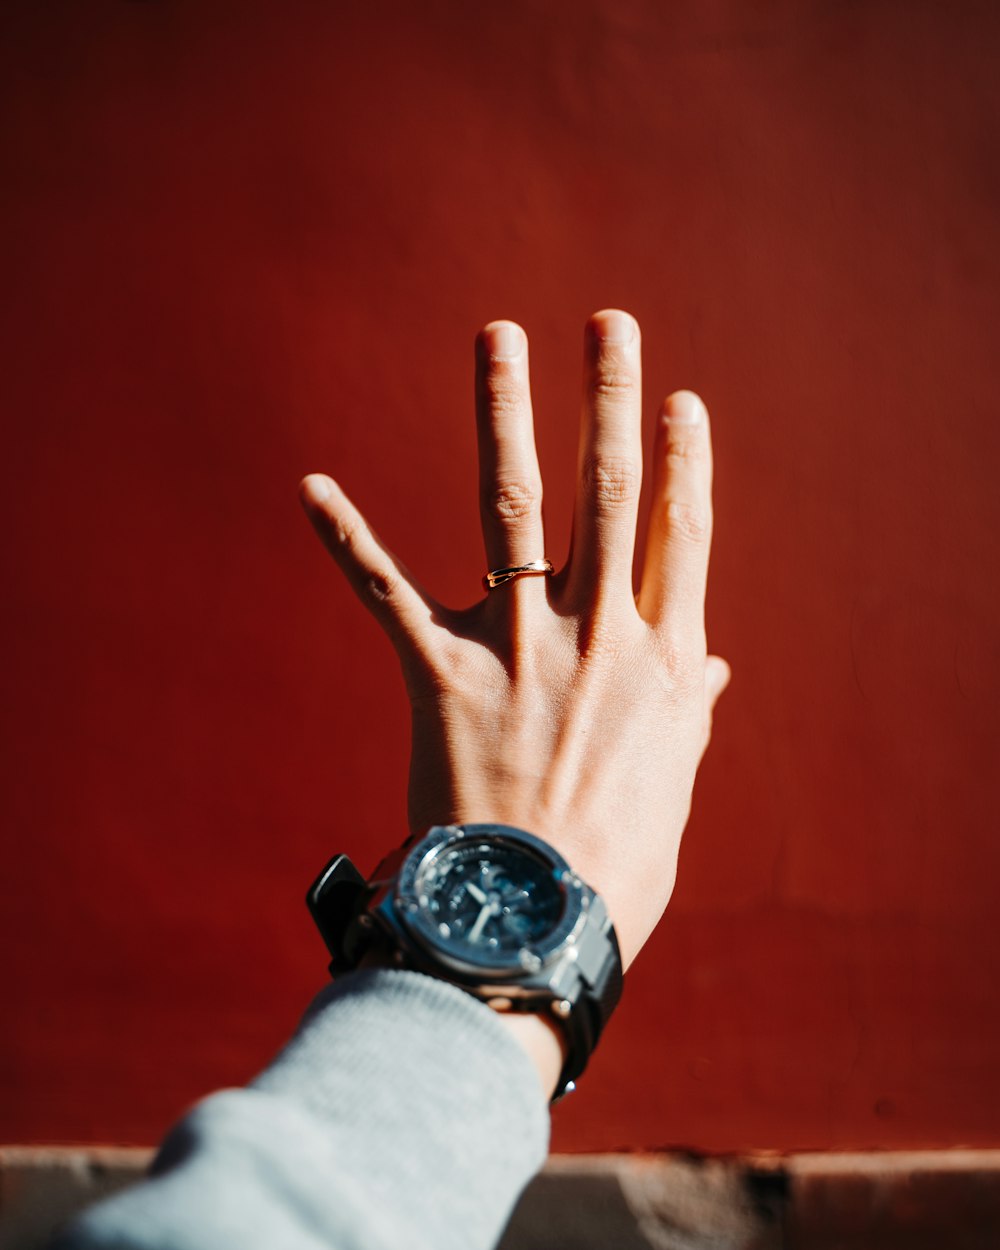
{"x": 610, "y": 464}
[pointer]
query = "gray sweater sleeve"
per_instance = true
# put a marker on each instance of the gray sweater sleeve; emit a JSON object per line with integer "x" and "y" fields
{"x": 401, "y": 1114}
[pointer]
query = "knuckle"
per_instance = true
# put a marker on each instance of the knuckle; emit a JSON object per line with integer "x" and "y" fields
{"x": 597, "y": 643}
{"x": 381, "y": 586}
{"x": 452, "y": 679}
{"x": 688, "y": 523}
{"x": 682, "y": 661}
{"x": 511, "y": 501}
{"x": 612, "y": 380}
{"x": 345, "y": 530}
{"x": 611, "y": 483}
{"x": 683, "y": 453}
{"x": 504, "y": 393}
{"x": 677, "y": 661}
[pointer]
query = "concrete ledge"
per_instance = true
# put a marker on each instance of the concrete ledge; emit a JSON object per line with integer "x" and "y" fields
{"x": 948, "y": 1200}
{"x": 945, "y": 1200}
{"x": 638, "y": 1202}
{"x": 42, "y": 1186}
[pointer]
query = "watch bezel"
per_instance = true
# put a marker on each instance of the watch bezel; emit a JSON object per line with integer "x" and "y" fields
{"x": 534, "y": 955}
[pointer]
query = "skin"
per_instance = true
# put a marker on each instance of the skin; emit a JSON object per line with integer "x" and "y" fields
{"x": 567, "y": 705}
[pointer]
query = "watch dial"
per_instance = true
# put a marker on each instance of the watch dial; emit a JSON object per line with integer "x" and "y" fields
{"x": 489, "y": 899}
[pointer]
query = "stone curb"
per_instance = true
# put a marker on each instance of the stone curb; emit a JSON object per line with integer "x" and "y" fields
{"x": 948, "y": 1200}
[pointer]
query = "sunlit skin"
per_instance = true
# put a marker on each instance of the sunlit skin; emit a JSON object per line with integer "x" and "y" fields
{"x": 567, "y": 705}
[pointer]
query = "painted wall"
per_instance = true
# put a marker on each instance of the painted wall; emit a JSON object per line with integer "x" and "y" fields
{"x": 246, "y": 241}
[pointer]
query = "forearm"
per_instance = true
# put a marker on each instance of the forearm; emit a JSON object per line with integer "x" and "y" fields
{"x": 544, "y": 1043}
{"x": 543, "y": 1040}
{"x": 400, "y": 1114}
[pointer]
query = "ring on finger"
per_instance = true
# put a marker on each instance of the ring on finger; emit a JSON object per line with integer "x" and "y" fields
{"x": 497, "y": 577}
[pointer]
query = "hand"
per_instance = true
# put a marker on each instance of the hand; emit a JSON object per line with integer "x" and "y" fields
{"x": 565, "y": 705}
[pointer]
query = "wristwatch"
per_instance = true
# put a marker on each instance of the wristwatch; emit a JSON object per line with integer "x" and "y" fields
{"x": 490, "y": 908}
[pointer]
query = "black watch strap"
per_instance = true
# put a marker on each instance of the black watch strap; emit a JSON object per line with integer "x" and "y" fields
{"x": 592, "y": 1011}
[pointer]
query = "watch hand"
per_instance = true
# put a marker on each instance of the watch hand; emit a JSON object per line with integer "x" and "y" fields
{"x": 476, "y": 892}
{"x": 484, "y": 915}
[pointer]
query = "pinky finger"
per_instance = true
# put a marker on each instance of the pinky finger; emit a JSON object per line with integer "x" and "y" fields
{"x": 375, "y": 575}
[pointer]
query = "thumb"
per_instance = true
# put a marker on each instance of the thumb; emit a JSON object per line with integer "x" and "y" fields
{"x": 717, "y": 677}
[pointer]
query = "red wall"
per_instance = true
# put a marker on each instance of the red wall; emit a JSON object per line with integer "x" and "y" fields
{"x": 248, "y": 241}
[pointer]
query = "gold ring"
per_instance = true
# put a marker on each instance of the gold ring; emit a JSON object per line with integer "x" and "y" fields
{"x": 498, "y": 576}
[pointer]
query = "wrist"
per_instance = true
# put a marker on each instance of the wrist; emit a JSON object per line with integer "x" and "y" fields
{"x": 544, "y": 1042}
{"x": 499, "y": 913}
{"x": 540, "y": 1037}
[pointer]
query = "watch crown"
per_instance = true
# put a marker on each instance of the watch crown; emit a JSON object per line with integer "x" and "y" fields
{"x": 561, "y": 1007}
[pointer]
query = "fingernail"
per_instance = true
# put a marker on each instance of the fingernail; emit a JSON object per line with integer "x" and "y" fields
{"x": 613, "y": 327}
{"x": 503, "y": 340}
{"x": 318, "y": 487}
{"x": 683, "y": 408}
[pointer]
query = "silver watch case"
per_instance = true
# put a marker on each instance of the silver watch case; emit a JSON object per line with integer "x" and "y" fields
{"x": 555, "y": 968}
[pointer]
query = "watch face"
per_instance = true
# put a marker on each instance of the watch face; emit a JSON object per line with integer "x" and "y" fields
{"x": 493, "y": 903}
